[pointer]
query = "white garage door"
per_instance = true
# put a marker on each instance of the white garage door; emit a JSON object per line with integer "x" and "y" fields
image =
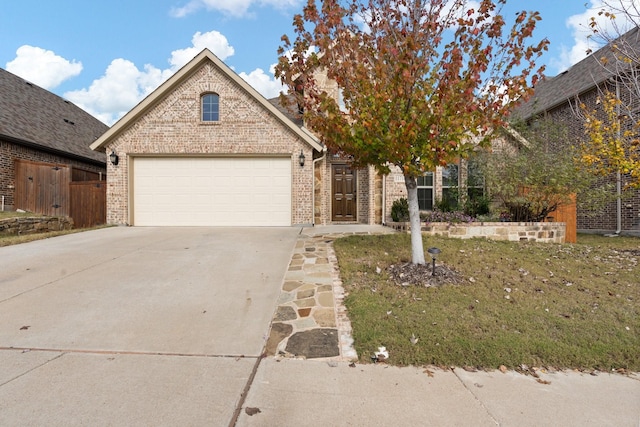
{"x": 180, "y": 191}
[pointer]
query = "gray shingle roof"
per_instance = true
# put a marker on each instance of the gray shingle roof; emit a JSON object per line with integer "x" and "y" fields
{"x": 34, "y": 116}
{"x": 581, "y": 77}
{"x": 294, "y": 117}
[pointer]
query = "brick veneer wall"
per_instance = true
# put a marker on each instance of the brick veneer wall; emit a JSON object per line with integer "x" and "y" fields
{"x": 10, "y": 151}
{"x": 377, "y": 197}
{"x": 395, "y": 189}
{"x": 605, "y": 220}
{"x": 319, "y": 196}
{"x": 364, "y": 196}
{"x": 323, "y": 192}
{"x": 173, "y": 126}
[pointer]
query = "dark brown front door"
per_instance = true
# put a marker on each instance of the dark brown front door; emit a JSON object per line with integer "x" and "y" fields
{"x": 344, "y": 193}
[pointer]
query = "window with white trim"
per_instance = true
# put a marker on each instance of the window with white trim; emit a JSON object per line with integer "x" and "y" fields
{"x": 425, "y": 191}
{"x": 450, "y": 185}
{"x": 475, "y": 180}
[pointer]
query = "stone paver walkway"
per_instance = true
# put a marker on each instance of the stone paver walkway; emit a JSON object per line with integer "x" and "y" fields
{"x": 311, "y": 321}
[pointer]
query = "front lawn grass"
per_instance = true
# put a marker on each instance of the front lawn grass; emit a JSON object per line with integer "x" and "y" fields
{"x": 545, "y": 305}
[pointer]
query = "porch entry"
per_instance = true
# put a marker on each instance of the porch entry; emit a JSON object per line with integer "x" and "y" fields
{"x": 343, "y": 184}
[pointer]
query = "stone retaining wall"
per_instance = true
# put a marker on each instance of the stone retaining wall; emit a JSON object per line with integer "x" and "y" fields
{"x": 34, "y": 224}
{"x": 545, "y": 232}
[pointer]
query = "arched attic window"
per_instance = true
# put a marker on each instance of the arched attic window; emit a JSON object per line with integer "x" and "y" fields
{"x": 210, "y": 107}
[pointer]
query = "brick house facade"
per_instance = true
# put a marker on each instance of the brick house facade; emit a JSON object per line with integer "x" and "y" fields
{"x": 169, "y": 128}
{"x": 39, "y": 126}
{"x": 168, "y": 124}
{"x": 558, "y": 98}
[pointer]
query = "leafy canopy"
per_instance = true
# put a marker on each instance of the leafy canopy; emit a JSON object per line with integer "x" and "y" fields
{"x": 612, "y": 144}
{"x": 418, "y": 83}
{"x": 613, "y": 141}
{"x": 532, "y": 177}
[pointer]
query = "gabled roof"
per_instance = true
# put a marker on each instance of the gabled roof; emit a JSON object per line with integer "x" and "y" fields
{"x": 34, "y": 117}
{"x": 182, "y": 75}
{"x": 580, "y": 78}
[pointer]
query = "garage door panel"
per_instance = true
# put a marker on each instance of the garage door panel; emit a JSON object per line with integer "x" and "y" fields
{"x": 212, "y": 191}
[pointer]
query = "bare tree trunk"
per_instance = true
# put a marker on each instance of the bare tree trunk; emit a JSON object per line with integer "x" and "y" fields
{"x": 417, "y": 248}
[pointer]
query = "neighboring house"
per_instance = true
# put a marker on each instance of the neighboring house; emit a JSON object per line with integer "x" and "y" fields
{"x": 206, "y": 149}
{"x": 39, "y": 126}
{"x": 558, "y": 98}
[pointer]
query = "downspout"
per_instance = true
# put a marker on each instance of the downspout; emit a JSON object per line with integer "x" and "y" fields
{"x": 619, "y": 203}
{"x": 313, "y": 187}
{"x": 384, "y": 199}
{"x": 618, "y": 175}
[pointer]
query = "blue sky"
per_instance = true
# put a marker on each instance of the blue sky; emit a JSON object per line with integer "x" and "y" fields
{"x": 106, "y": 55}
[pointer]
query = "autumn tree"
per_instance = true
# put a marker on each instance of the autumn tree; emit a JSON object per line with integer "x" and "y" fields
{"x": 612, "y": 128}
{"x": 421, "y": 82}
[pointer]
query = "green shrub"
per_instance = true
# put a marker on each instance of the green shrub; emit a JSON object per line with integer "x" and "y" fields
{"x": 400, "y": 210}
{"x": 442, "y": 205}
{"x": 477, "y": 206}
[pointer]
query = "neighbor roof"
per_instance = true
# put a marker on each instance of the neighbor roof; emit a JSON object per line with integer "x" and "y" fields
{"x": 178, "y": 78}
{"x": 580, "y": 78}
{"x": 34, "y": 117}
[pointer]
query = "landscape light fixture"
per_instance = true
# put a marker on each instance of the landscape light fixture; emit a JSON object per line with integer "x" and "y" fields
{"x": 301, "y": 159}
{"x": 114, "y": 158}
{"x": 434, "y": 254}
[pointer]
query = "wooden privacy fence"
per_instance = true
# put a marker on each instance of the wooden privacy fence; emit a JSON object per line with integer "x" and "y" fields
{"x": 60, "y": 190}
{"x": 42, "y": 188}
{"x": 567, "y": 213}
{"x": 87, "y": 203}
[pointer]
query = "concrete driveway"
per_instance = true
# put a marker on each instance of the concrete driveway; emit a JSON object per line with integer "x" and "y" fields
{"x": 136, "y": 326}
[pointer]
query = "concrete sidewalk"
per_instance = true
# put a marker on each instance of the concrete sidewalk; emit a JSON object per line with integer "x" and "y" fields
{"x": 291, "y": 392}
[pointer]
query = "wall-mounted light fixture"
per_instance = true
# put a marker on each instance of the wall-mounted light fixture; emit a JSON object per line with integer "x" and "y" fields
{"x": 301, "y": 158}
{"x": 113, "y": 157}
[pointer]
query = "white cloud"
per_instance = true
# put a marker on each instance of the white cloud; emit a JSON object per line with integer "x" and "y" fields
{"x": 581, "y": 32}
{"x": 42, "y": 67}
{"x": 236, "y": 8}
{"x": 124, "y": 85}
{"x": 264, "y": 83}
{"x": 213, "y": 40}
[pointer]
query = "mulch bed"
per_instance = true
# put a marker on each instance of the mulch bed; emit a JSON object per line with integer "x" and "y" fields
{"x": 409, "y": 274}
